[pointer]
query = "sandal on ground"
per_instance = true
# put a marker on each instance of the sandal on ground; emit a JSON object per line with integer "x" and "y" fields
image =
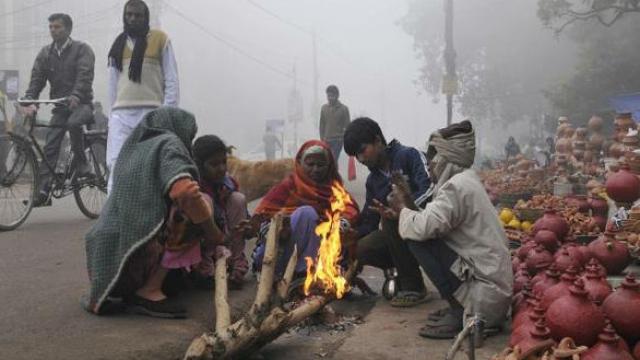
{"x": 166, "y": 309}
{"x": 447, "y": 327}
{"x": 409, "y": 299}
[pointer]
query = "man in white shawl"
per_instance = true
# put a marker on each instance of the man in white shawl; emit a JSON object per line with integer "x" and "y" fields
{"x": 457, "y": 239}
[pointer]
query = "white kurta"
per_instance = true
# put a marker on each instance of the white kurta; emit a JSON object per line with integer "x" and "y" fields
{"x": 122, "y": 121}
{"x": 462, "y": 215}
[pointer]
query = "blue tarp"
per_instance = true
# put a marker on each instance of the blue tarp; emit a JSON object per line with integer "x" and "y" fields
{"x": 627, "y": 103}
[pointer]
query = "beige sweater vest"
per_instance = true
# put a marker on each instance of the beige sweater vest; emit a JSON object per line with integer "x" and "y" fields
{"x": 150, "y": 91}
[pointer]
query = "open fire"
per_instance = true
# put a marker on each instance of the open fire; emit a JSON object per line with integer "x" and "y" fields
{"x": 326, "y": 273}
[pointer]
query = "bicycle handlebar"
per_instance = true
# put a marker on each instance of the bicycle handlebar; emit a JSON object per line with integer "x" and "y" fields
{"x": 59, "y": 101}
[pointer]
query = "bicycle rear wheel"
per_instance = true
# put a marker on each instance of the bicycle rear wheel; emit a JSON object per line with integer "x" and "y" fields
{"x": 18, "y": 180}
{"x": 91, "y": 195}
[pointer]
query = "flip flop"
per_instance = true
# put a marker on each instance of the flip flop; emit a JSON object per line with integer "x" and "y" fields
{"x": 405, "y": 299}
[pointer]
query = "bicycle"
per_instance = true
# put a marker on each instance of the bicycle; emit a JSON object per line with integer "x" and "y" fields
{"x": 19, "y": 169}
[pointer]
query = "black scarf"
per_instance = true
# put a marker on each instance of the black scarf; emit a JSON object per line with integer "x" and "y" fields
{"x": 140, "y": 37}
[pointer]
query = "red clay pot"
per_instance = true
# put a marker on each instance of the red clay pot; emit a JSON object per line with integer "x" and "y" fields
{"x": 538, "y": 259}
{"x": 515, "y": 264}
{"x": 612, "y": 254}
{"x": 594, "y": 266}
{"x": 607, "y": 348}
{"x": 520, "y": 278}
{"x": 548, "y": 239}
{"x": 622, "y": 307}
{"x": 549, "y": 277}
{"x": 575, "y": 316}
{"x": 554, "y": 222}
{"x": 537, "y": 342}
{"x": 525, "y": 248}
{"x": 598, "y": 206}
{"x": 563, "y": 260}
{"x": 597, "y": 286}
{"x": 526, "y": 326}
{"x": 623, "y": 186}
{"x": 560, "y": 289}
{"x": 599, "y": 221}
{"x": 575, "y": 251}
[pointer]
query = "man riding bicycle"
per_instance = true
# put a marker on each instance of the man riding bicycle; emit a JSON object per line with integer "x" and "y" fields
{"x": 68, "y": 66}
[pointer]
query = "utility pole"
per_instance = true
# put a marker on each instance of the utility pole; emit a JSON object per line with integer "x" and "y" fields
{"x": 450, "y": 82}
{"x": 315, "y": 78}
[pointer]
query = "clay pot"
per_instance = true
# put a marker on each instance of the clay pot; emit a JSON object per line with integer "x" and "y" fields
{"x": 515, "y": 264}
{"x": 612, "y": 254}
{"x": 596, "y": 267}
{"x": 519, "y": 280}
{"x": 548, "y": 239}
{"x": 599, "y": 221}
{"x": 522, "y": 314}
{"x": 595, "y": 124}
{"x": 525, "y": 248}
{"x": 553, "y": 222}
{"x": 563, "y": 260}
{"x": 538, "y": 341}
{"x": 586, "y": 253}
{"x": 524, "y": 329}
{"x": 623, "y": 186}
{"x": 597, "y": 286}
{"x": 575, "y": 251}
{"x": 538, "y": 259}
{"x": 560, "y": 289}
{"x": 549, "y": 277}
{"x": 524, "y": 300}
{"x": 575, "y": 316}
{"x": 622, "y": 307}
{"x": 607, "y": 348}
{"x": 581, "y": 202}
{"x": 636, "y": 351}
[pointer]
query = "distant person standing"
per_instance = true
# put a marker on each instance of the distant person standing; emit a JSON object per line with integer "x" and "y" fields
{"x": 512, "y": 149}
{"x": 101, "y": 120}
{"x": 334, "y": 118}
{"x": 271, "y": 144}
{"x": 143, "y": 75}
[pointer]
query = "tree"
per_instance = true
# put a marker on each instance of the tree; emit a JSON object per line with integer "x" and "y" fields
{"x": 504, "y": 58}
{"x": 558, "y": 14}
{"x": 607, "y": 65}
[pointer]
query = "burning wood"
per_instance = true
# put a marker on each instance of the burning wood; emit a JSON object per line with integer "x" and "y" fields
{"x": 267, "y": 318}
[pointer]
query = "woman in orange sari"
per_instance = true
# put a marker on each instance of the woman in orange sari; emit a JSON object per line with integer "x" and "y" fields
{"x": 305, "y": 197}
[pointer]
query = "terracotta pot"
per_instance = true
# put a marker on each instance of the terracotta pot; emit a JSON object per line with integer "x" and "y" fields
{"x": 537, "y": 342}
{"x": 575, "y": 251}
{"x": 548, "y": 239}
{"x": 599, "y": 221}
{"x": 560, "y": 289}
{"x": 581, "y": 202}
{"x": 525, "y": 248}
{"x": 607, "y": 348}
{"x": 515, "y": 264}
{"x": 524, "y": 329}
{"x": 538, "y": 259}
{"x": 622, "y": 307}
{"x": 519, "y": 280}
{"x": 553, "y": 222}
{"x": 595, "y": 124}
{"x": 575, "y": 316}
{"x": 623, "y": 186}
{"x": 597, "y": 286}
{"x": 586, "y": 253}
{"x": 563, "y": 260}
{"x": 612, "y": 254}
{"x": 596, "y": 267}
{"x": 524, "y": 300}
{"x": 550, "y": 277}
{"x": 522, "y": 314}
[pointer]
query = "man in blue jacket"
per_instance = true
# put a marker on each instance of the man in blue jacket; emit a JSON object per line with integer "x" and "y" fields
{"x": 380, "y": 244}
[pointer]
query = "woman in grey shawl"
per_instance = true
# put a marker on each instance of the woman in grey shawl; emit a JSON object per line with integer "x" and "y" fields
{"x": 154, "y": 218}
{"x": 457, "y": 238}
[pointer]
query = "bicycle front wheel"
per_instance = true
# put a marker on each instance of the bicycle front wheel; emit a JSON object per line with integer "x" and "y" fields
{"x": 92, "y": 195}
{"x": 18, "y": 179}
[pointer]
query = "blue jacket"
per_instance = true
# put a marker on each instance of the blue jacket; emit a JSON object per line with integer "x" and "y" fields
{"x": 409, "y": 162}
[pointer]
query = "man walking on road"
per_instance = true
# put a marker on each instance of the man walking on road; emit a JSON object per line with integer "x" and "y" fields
{"x": 334, "y": 118}
{"x": 143, "y": 75}
{"x": 68, "y": 66}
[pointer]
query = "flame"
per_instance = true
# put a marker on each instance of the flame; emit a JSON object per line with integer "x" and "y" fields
{"x": 327, "y": 274}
